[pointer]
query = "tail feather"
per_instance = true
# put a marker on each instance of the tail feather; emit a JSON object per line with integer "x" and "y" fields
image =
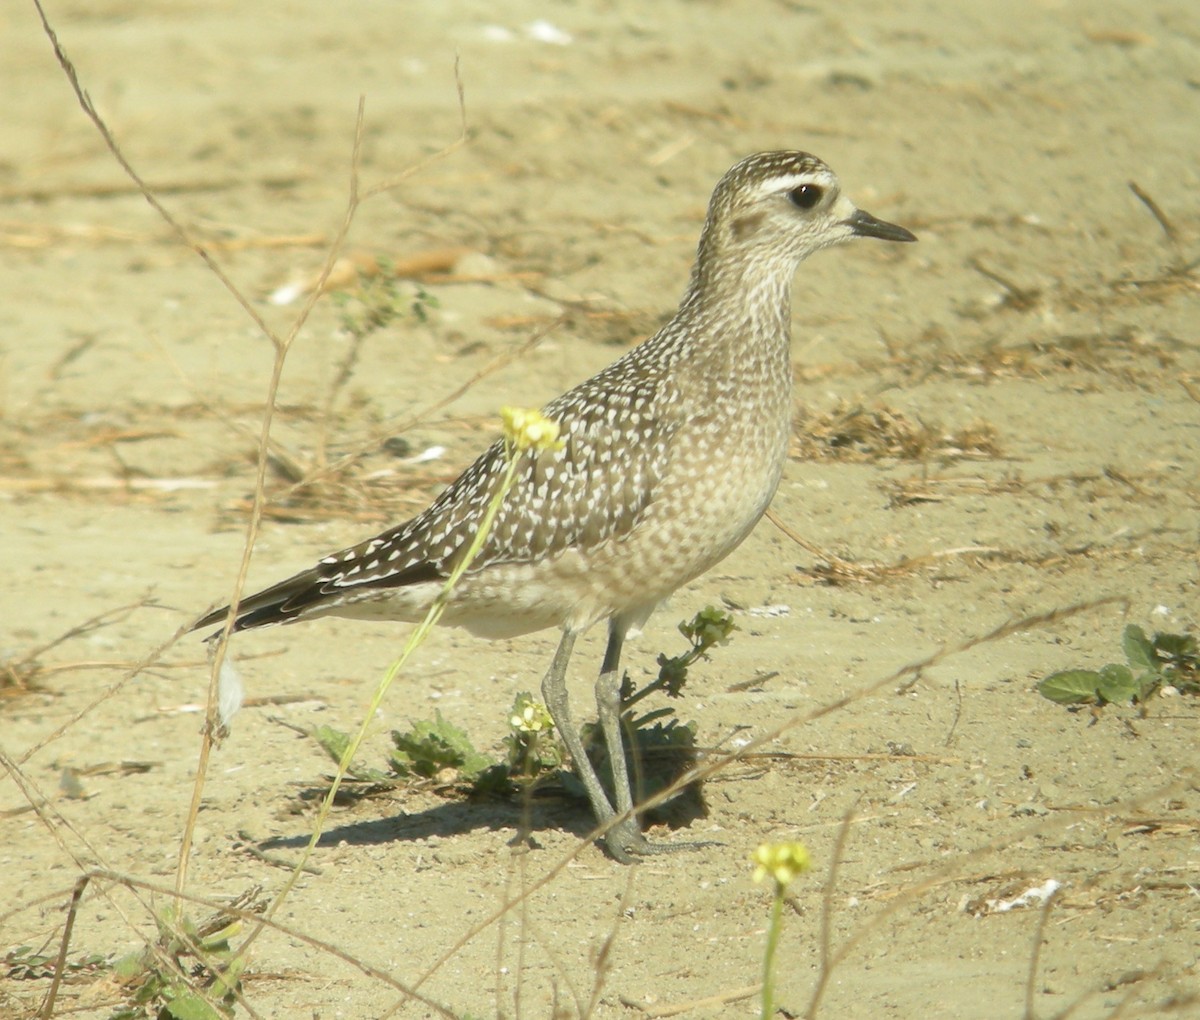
{"x": 305, "y": 594}
{"x": 277, "y": 604}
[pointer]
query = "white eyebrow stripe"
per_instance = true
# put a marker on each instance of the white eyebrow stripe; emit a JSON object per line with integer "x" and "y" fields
{"x": 784, "y": 183}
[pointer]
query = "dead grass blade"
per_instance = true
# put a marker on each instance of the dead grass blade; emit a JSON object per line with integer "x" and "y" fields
{"x": 852, "y": 432}
{"x": 237, "y": 910}
{"x": 280, "y": 343}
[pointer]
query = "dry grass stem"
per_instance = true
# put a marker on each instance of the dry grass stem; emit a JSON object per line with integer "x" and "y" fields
{"x": 851, "y": 432}
{"x": 1015, "y": 432}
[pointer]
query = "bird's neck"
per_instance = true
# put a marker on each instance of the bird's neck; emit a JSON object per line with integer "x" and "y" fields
{"x": 740, "y": 303}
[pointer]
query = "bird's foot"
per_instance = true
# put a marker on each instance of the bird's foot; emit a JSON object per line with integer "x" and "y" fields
{"x": 626, "y": 844}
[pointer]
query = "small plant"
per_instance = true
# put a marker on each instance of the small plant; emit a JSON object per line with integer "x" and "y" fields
{"x": 24, "y": 963}
{"x": 532, "y": 749}
{"x": 660, "y": 747}
{"x": 781, "y": 862}
{"x": 707, "y": 629}
{"x": 1167, "y": 660}
{"x": 162, "y": 984}
{"x": 430, "y": 747}
{"x": 334, "y": 743}
{"x": 422, "y": 301}
{"x": 438, "y": 748}
{"x": 379, "y": 301}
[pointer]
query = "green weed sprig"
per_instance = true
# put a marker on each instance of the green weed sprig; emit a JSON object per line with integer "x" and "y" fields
{"x": 707, "y": 629}
{"x": 781, "y": 862}
{"x": 1167, "y": 660}
{"x": 523, "y": 430}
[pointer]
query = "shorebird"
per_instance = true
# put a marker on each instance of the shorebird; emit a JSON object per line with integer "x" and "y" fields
{"x": 667, "y": 460}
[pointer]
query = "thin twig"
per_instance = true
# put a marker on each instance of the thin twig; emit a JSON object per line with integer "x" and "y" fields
{"x": 808, "y": 546}
{"x": 825, "y": 935}
{"x": 677, "y": 1008}
{"x": 1018, "y": 297}
{"x": 182, "y": 232}
{"x": 250, "y": 845}
{"x": 54, "y": 821}
{"x": 60, "y": 965}
{"x": 282, "y": 346}
{"x": 104, "y": 619}
{"x": 603, "y": 961}
{"x": 143, "y": 889}
{"x": 151, "y": 658}
{"x": 501, "y": 360}
{"x": 958, "y": 705}
{"x": 1156, "y": 211}
{"x": 718, "y": 763}
{"x": 1035, "y": 955}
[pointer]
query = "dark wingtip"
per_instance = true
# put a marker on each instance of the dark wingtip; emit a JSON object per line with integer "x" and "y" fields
{"x": 306, "y": 594}
{"x": 251, "y": 614}
{"x": 280, "y": 603}
{"x": 214, "y": 619}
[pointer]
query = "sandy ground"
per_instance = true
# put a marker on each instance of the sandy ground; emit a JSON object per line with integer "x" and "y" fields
{"x": 1035, "y": 343}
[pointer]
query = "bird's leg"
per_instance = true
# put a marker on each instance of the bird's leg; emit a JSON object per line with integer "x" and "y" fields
{"x": 554, "y": 690}
{"x": 624, "y": 840}
{"x": 626, "y": 836}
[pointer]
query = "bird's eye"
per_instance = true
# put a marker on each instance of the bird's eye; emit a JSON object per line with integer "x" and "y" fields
{"x": 806, "y": 196}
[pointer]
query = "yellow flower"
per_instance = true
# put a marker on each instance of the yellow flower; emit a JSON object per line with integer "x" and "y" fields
{"x": 530, "y": 717}
{"x": 781, "y": 861}
{"x": 529, "y": 429}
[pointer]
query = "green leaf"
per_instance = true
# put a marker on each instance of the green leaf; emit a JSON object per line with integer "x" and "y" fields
{"x": 431, "y": 746}
{"x": 1176, "y": 647}
{"x": 475, "y": 764}
{"x": 1071, "y": 686}
{"x": 1139, "y": 652}
{"x": 150, "y": 989}
{"x": 130, "y": 965}
{"x": 494, "y": 781}
{"x": 1117, "y": 684}
{"x": 673, "y": 671}
{"x": 1147, "y": 684}
{"x": 191, "y": 1007}
{"x": 333, "y": 741}
{"x": 227, "y": 981}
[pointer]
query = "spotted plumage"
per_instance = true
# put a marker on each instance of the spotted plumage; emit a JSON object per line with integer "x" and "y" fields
{"x": 668, "y": 458}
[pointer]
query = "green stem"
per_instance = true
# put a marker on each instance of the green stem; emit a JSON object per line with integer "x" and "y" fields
{"x": 414, "y": 641}
{"x": 768, "y": 985}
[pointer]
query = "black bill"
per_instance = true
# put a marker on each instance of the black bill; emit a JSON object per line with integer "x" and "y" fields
{"x": 866, "y": 225}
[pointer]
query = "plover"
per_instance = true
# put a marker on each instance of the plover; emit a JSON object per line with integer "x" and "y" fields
{"x": 667, "y": 460}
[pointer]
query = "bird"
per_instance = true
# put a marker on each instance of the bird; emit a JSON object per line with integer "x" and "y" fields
{"x": 665, "y": 461}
